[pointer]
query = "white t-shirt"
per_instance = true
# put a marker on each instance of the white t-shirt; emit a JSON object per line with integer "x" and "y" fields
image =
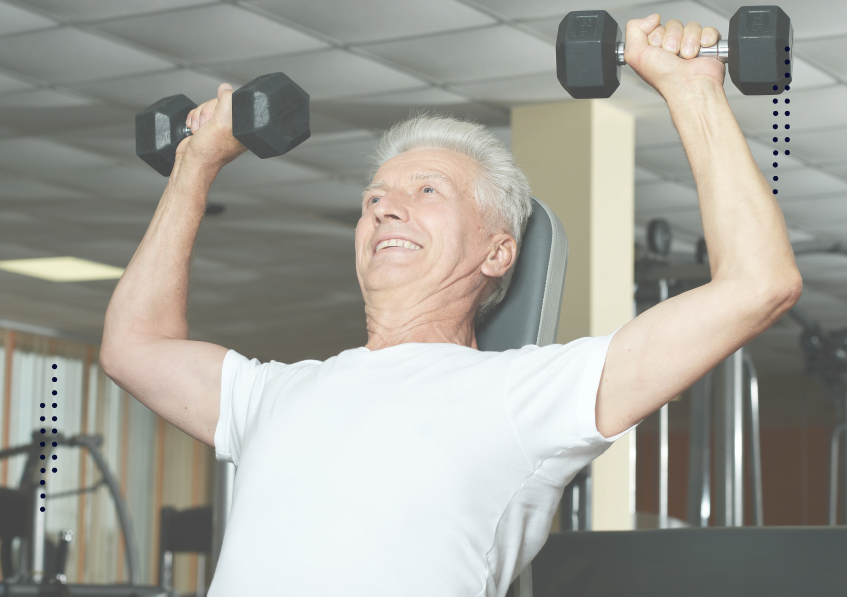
{"x": 420, "y": 470}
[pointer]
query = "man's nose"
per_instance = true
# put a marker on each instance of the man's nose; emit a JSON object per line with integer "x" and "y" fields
{"x": 391, "y": 206}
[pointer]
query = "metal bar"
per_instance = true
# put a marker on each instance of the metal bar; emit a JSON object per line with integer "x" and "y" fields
{"x": 738, "y": 439}
{"x": 37, "y": 537}
{"x": 663, "y": 438}
{"x": 832, "y": 519}
{"x": 201, "y": 575}
{"x": 91, "y": 443}
{"x": 755, "y": 442}
{"x": 222, "y": 502}
{"x": 663, "y": 467}
{"x": 844, "y": 497}
{"x": 699, "y": 507}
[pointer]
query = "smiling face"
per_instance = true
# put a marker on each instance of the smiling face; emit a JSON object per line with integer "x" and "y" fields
{"x": 422, "y": 244}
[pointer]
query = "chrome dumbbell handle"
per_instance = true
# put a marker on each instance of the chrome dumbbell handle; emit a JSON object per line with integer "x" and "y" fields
{"x": 719, "y": 51}
{"x": 186, "y": 131}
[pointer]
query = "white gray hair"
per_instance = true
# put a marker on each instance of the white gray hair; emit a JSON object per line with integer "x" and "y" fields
{"x": 502, "y": 189}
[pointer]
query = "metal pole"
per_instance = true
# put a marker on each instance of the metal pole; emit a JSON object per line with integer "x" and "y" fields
{"x": 755, "y": 442}
{"x": 222, "y": 502}
{"x": 844, "y": 497}
{"x": 729, "y": 445}
{"x": 37, "y": 538}
{"x": 699, "y": 454}
{"x": 833, "y": 475}
{"x": 663, "y": 439}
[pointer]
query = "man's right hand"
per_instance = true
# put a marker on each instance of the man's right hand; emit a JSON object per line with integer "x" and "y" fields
{"x": 211, "y": 144}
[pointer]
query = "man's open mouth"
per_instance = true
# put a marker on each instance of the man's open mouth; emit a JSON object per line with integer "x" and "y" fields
{"x": 397, "y": 242}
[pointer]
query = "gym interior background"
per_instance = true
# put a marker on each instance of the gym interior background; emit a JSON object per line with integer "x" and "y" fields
{"x": 273, "y": 274}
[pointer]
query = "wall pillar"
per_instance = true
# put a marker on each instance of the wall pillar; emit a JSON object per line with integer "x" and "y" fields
{"x": 580, "y": 160}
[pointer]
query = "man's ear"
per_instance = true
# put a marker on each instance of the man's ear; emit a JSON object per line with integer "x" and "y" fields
{"x": 502, "y": 252}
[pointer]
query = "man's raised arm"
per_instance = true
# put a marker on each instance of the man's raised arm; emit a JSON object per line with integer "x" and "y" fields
{"x": 755, "y": 280}
{"x": 145, "y": 348}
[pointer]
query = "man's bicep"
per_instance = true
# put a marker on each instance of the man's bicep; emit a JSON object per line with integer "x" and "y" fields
{"x": 663, "y": 351}
{"x": 179, "y": 380}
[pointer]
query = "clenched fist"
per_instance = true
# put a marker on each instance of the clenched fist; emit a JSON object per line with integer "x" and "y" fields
{"x": 666, "y": 55}
{"x": 211, "y": 141}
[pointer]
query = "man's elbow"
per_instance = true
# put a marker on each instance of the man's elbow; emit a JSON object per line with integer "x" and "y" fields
{"x": 783, "y": 292}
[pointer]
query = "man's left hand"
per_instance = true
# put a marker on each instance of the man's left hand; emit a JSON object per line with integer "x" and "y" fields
{"x": 666, "y": 55}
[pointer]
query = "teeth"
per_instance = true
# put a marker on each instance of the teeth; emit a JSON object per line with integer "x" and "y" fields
{"x": 396, "y": 242}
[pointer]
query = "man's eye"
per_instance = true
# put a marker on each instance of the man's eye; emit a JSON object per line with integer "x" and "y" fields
{"x": 428, "y": 190}
{"x": 373, "y": 200}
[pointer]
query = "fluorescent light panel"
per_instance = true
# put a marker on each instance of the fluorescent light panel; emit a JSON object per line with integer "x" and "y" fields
{"x": 62, "y": 269}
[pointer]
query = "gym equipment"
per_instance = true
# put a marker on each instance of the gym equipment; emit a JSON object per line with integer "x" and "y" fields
{"x": 758, "y": 48}
{"x": 730, "y": 562}
{"x": 826, "y": 362}
{"x": 41, "y": 563}
{"x": 659, "y": 237}
{"x": 184, "y": 531}
{"x": 270, "y": 117}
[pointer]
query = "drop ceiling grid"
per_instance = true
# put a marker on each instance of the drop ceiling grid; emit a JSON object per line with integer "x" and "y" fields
{"x": 106, "y": 152}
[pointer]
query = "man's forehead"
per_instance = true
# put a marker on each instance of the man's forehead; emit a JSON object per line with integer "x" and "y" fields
{"x": 413, "y": 177}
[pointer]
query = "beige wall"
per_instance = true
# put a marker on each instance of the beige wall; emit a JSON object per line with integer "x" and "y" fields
{"x": 580, "y": 160}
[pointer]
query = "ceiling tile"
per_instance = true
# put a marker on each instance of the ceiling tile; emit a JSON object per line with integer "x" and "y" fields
{"x": 538, "y": 8}
{"x": 807, "y": 182}
{"x": 664, "y": 195}
{"x": 353, "y": 22}
{"x": 837, "y": 168}
{"x": 820, "y": 210}
{"x": 825, "y": 52}
{"x": 810, "y": 18}
{"x": 517, "y": 90}
{"x": 185, "y": 34}
{"x": 94, "y": 10}
{"x": 763, "y": 154}
{"x": 249, "y": 171}
{"x": 42, "y": 98}
{"x": 319, "y": 195}
{"x": 819, "y": 108}
{"x": 338, "y": 158}
{"x": 9, "y": 84}
{"x": 114, "y": 182}
{"x": 116, "y": 141}
{"x": 642, "y": 175}
{"x": 38, "y": 156}
{"x": 328, "y": 74}
{"x": 381, "y": 111}
{"x": 653, "y": 126}
{"x": 487, "y": 53}
{"x": 17, "y": 20}
{"x": 281, "y": 229}
{"x": 804, "y": 76}
{"x": 668, "y": 160}
{"x": 45, "y": 55}
{"x": 29, "y": 190}
{"x": 830, "y": 230}
{"x": 684, "y": 11}
{"x": 139, "y": 92}
{"x": 818, "y": 146}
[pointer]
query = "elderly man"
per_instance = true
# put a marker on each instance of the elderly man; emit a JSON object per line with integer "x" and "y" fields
{"x": 416, "y": 464}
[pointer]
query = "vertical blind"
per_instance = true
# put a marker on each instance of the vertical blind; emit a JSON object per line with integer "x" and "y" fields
{"x": 135, "y": 441}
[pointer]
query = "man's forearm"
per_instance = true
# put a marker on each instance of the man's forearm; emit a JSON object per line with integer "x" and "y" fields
{"x": 744, "y": 227}
{"x": 151, "y": 298}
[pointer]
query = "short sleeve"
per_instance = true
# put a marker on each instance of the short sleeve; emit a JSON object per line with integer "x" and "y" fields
{"x": 242, "y": 384}
{"x": 551, "y": 395}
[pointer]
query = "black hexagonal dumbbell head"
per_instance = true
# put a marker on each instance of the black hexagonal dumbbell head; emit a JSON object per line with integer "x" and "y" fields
{"x": 159, "y": 129}
{"x": 586, "y": 45}
{"x": 757, "y": 38}
{"x": 270, "y": 115}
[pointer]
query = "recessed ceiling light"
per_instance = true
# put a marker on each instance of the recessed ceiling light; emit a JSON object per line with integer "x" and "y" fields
{"x": 62, "y": 269}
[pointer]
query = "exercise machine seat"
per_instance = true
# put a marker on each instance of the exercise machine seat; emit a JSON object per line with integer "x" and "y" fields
{"x": 529, "y": 313}
{"x": 724, "y": 561}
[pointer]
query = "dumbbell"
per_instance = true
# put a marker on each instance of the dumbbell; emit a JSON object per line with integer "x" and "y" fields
{"x": 270, "y": 117}
{"x": 760, "y": 42}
